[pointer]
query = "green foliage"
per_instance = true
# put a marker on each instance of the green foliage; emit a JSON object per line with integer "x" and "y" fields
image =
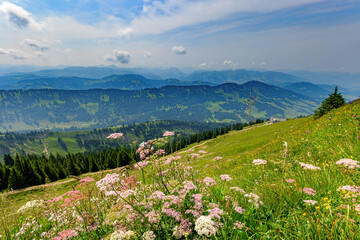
{"x": 335, "y": 100}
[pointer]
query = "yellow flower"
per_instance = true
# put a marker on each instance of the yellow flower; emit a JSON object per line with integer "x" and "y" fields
{"x": 304, "y": 214}
{"x": 327, "y": 207}
{"x": 325, "y": 198}
{"x": 317, "y": 207}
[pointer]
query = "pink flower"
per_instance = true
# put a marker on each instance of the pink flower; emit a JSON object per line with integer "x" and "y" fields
{"x": 209, "y": 181}
{"x": 115, "y": 135}
{"x": 202, "y": 151}
{"x": 290, "y": 180}
{"x": 225, "y": 177}
{"x": 86, "y": 180}
{"x": 168, "y": 133}
{"x": 215, "y": 212}
{"x": 239, "y": 225}
{"x": 108, "y": 181}
{"x": 217, "y": 158}
{"x": 141, "y": 165}
{"x": 195, "y": 155}
{"x": 239, "y": 210}
{"x": 309, "y": 191}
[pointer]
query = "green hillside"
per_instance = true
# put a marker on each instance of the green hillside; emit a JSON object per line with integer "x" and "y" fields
{"x": 46, "y": 142}
{"x": 49, "y": 109}
{"x": 297, "y": 190}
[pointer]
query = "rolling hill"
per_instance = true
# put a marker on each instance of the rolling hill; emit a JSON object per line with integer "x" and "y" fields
{"x": 47, "y": 109}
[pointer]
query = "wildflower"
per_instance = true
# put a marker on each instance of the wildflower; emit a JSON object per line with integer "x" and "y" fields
{"x": 308, "y": 166}
{"x": 308, "y": 131}
{"x": 141, "y": 165}
{"x": 239, "y": 225}
{"x": 209, "y": 181}
{"x": 348, "y": 163}
{"x": 309, "y": 191}
{"x": 202, "y": 151}
{"x": 254, "y": 198}
{"x": 159, "y": 152}
{"x": 239, "y": 210}
{"x": 238, "y": 189}
{"x": 66, "y": 234}
{"x": 217, "y": 158}
{"x": 204, "y": 226}
{"x": 195, "y": 155}
{"x": 31, "y": 205}
{"x": 215, "y": 212}
{"x": 225, "y": 177}
{"x": 290, "y": 180}
{"x": 108, "y": 181}
{"x": 149, "y": 235}
{"x": 259, "y": 162}
{"x": 189, "y": 185}
{"x": 310, "y": 202}
{"x": 168, "y": 133}
{"x": 115, "y": 135}
{"x": 86, "y": 180}
{"x": 120, "y": 235}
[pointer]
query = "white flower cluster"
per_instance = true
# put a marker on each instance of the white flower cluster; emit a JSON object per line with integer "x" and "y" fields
{"x": 308, "y": 166}
{"x": 348, "y": 163}
{"x": 204, "y": 226}
{"x": 259, "y": 162}
{"x": 120, "y": 235}
{"x": 149, "y": 235}
{"x": 31, "y": 205}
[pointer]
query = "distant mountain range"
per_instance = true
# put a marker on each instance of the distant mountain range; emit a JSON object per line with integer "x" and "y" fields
{"x": 124, "y": 82}
{"x": 47, "y": 108}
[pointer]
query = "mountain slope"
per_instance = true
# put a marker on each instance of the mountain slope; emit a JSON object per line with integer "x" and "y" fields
{"x": 308, "y": 89}
{"x": 33, "y": 109}
{"x": 278, "y": 198}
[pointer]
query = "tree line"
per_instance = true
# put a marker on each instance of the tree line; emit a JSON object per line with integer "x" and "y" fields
{"x": 29, "y": 170}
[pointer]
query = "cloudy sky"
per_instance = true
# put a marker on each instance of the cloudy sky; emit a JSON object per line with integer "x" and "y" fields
{"x": 203, "y": 34}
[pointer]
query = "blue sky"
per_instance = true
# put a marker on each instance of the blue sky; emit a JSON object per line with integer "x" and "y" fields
{"x": 203, "y": 34}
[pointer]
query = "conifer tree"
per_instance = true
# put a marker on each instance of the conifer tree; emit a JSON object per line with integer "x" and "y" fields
{"x": 335, "y": 100}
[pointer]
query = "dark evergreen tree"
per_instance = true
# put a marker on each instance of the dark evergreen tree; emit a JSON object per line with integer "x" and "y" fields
{"x": 335, "y": 100}
{"x": 8, "y": 160}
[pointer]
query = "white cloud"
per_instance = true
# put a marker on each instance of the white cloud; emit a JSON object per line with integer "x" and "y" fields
{"x": 228, "y": 62}
{"x": 14, "y": 53}
{"x": 41, "y": 46}
{"x": 126, "y": 33}
{"x": 119, "y": 56}
{"x": 19, "y": 16}
{"x": 262, "y": 63}
{"x": 202, "y": 64}
{"x": 159, "y": 17}
{"x": 179, "y": 50}
{"x": 147, "y": 54}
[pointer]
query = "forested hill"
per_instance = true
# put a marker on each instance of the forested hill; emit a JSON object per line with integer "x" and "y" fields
{"x": 34, "y": 109}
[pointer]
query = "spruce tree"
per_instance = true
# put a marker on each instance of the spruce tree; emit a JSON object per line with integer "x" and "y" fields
{"x": 335, "y": 100}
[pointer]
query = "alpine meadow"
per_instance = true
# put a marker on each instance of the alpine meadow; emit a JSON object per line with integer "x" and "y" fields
{"x": 179, "y": 119}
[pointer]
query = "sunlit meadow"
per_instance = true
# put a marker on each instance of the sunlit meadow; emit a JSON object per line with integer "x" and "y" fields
{"x": 297, "y": 179}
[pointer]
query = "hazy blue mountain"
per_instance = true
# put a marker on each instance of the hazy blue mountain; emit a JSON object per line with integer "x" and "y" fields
{"x": 241, "y": 76}
{"x": 344, "y": 79}
{"x": 124, "y": 82}
{"x": 47, "y": 108}
{"x": 309, "y": 89}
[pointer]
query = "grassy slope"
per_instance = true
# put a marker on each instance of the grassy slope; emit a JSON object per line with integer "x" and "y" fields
{"x": 321, "y": 142}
